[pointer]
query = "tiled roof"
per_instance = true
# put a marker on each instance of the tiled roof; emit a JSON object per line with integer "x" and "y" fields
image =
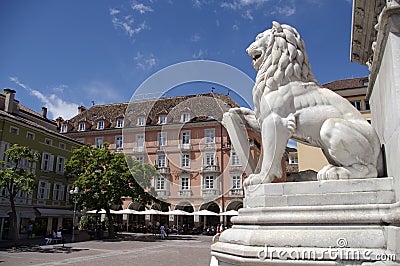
{"x": 22, "y": 114}
{"x": 30, "y": 122}
{"x": 201, "y": 107}
{"x": 346, "y": 83}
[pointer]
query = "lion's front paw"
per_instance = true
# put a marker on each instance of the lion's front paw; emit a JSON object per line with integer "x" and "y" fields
{"x": 256, "y": 179}
{"x": 331, "y": 172}
{"x": 290, "y": 123}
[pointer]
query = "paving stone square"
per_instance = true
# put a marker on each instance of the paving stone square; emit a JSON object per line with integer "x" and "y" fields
{"x": 131, "y": 249}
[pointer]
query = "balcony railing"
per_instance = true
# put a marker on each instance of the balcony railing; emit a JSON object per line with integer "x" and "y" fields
{"x": 138, "y": 149}
{"x": 185, "y": 147}
{"x": 163, "y": 170}
{"x": 185, "y": 193}
{"x": 209, "y": 192}
{"x": 163, "y": 193}
{"x": 210, "y": 168}
{"x": 236, "y": 192}
{"x": 236, "y": 168}
{"x": 209, "y": 146}
{"x": 161, "y": 149}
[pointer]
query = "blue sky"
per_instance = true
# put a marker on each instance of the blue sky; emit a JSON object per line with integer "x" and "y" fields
{"x": 61, "y": 54}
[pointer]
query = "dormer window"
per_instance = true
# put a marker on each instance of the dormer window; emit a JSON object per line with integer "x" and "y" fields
{"x": 81, "y": 126}
{"x": 185, "y": 117}
{"x": 120, "y": 123}
{"x": 64, "y": 128}
{"x": 162, "y": 119}
{"x": 100, "y": 124}
{"x": 141, "y": 121}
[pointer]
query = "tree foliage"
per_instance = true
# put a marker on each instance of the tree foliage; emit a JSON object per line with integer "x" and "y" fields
{"x": 17, "y": 175}
{"x": 103, "y": 177}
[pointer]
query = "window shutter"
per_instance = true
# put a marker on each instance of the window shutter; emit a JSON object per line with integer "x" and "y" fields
{"x": 47, "y": 192}
{"x": 54, "y": 192}
{"x": 51, "y": 164}
{"x": 38, "y": 190}
{"x": 62, "y": 191}
{"x": 57, "y": 160}
{"x": 42, "y": 165}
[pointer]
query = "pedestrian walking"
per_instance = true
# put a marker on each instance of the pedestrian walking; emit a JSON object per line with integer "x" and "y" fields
{"x": 30, "y": 230}
{"x": 162, "y": 231}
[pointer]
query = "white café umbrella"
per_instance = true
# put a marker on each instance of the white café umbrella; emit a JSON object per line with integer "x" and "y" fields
{"x": 151, "y": 212}
{"x": 205, "y": 213}
{"x": 126, "y": 211}
{"x": 177, "y": 212}
{"x": 229, "y": 213}
{"x": 102, "y": 211}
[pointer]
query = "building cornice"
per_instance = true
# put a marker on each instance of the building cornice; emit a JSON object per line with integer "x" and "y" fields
{"x": 384, "y": 27}
{"x": 39, "y": 129}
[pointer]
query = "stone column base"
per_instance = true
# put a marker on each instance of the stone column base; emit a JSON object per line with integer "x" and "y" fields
{"x": 336, "y": 222}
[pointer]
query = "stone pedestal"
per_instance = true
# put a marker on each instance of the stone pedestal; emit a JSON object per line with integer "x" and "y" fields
{"x": 335, "y": 222}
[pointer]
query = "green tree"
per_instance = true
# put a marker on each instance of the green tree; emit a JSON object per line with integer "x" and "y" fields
{"x": 16, "y": 175}
{"x": 103, "y": 177}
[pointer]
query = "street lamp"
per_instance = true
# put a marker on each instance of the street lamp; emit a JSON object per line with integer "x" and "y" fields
{"x": 74, "y": 193}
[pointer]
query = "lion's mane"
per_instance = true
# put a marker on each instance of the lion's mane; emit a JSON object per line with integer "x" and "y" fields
{"x": 284, "y": 60}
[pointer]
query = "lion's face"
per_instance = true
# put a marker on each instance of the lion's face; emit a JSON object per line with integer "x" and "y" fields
{"x": 257, "y": 49}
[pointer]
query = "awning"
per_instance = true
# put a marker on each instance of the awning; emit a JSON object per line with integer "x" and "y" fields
{"x": 54, "y": 212}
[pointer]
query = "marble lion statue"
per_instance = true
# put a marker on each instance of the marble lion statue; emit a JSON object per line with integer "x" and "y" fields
{"x": 289, "y": 103}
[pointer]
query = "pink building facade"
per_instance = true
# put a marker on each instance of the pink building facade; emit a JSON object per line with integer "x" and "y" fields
{"x": 183, "y": 137}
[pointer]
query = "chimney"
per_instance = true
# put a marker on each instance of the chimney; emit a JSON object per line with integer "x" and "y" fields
{"x": 59, "y": 120}
{"x": 9, "y": 103}
{"x": 81, "y": 109}
{"x": 44, "y": 112}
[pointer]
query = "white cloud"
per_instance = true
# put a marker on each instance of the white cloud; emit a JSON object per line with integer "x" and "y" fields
{"x": 114, "y": 11}
{"x": 142, "y": 9}
{"x": 201, "y": 3}
{"x": 235, "y": 27}
{"x": 125, "y": 21}
{"x": 285, "y": 10}
{"x": 200, "y": 54}
{"x": 239, "y": 4}
{"x": 247, "y": 15}
{"x": 234, "y": 5}
{"x": 60, "y": 88}
{"x": 197, "y": 3}
{"x": 145, "y": 62}
{"x": 127, "y": 24}
{"x": 55, "y": 105}
{"x": 195, "y": 37}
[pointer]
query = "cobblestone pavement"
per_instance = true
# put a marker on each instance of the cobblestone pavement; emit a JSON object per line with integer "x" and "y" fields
{"x": 134, "y": 249}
